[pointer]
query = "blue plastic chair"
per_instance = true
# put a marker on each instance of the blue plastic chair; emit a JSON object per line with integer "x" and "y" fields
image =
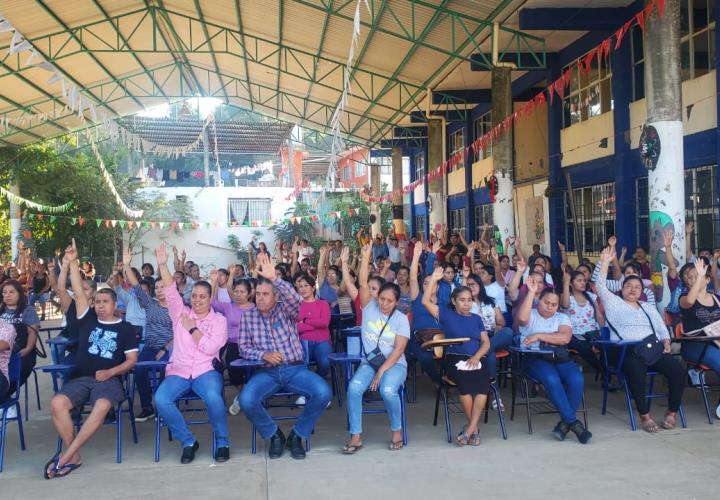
{"x": 124, "y": 406}
{"x": 12, "y": 402}
{"x": 614, "y": 370}
{"x": 186, "y": 399}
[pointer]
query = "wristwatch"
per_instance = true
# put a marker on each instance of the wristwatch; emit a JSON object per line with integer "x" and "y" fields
{"x": 193, "y": 330}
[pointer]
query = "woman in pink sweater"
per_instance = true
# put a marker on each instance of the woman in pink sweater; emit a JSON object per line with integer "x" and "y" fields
{"x": 312, "y": 324}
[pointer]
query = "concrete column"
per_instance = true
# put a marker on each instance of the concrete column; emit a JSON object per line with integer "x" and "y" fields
{"x": 666, "y": 181}
{"x": 397, "y": 201}
{"x": 291, "y": 157}
{"x": 435, "y": 158}
{"x": 503, "y": 211}
{"x": 556, "y": 178}
{"x": 14, "y": 221}
{"x": 206, "y": 155}
{"x": 375, "y": 207}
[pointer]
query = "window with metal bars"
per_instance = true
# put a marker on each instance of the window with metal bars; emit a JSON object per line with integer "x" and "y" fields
{"x": 595, "y": 218}
{"x": 250, "y": 209}
{"x": 457, "y": 220}
{"x": 419, "y": 225}
{"x": 700, "y": 207}
{"x": 697, "y": 32}
{"x": 483, "y": 125}
{"x": 483, "y": 215}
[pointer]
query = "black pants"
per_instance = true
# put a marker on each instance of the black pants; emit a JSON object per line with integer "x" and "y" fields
{"x": 4, "y": 388}
{"x": 635, "y": 372}
{"x": 585, "y": 350}
{"x": 230, "y": 353}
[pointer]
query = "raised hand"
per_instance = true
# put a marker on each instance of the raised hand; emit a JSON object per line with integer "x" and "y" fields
{"x": 161, "y": 255}
{"x": 612, "y": 241}
{"x": 533, "y": 286}
{"x": 668, "y": 237}
{"x": 71, "y": 253}
{"x": 127, "y": 256}
{"x": 437, "y": 274}
{"x": 213, "y": 275}
{"x": 561, "y": 246}
{"x": 345, "y": 255}
{"x": 366, "y": 251}
{"x": 466, "y": 272}
{"x": 521, "y": 266}
{"x": 701, "y": 268}
{"x": 264, "y": 267}
{"x": 417, "y": 250}
{"x": 436, "y": 246}
{"x": 607, "y": 255}
{"x": 689, "y": 227}
{"x": 716, "y": 256}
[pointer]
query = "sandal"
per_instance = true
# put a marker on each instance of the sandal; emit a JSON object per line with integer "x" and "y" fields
{"x": 51, "y": 467}
{"x": 396, "y": 445}
{"x": 669, "y": 421}
{"x": 65, "y": 469}
{"x": 351, "y": 449}
{"x": 474, "y": 439}
{"x": 462, "y": 438}
{"x": 649, "y": 425}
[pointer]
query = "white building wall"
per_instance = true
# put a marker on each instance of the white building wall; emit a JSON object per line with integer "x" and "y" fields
{"x": 209, "y": 247}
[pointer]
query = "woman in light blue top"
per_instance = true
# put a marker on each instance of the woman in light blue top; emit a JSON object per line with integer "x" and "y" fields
{"x": 386, "y": 329}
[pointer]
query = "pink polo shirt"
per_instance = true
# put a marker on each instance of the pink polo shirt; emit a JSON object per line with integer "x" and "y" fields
{"x": 190, "y": 359}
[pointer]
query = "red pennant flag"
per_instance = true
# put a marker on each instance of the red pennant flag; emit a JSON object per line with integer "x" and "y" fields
{"x": 81, "y": 220}
{"x": 661, "y": 7}
{"x": 640, "y": 18}
{"x": 620, "y": 34}
{"x": 153, "y": 224}
{"x": 586, "y": 62}
{"x": 107, "y": 223}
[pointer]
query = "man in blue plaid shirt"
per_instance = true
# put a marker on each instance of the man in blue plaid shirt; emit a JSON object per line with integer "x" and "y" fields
{"x": 269, "y": 333}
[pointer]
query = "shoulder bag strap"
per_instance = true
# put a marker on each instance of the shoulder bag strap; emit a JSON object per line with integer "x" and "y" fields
{"x": 649, "y": 320}
{"x": 383, "y": 328}
{"x": 607, "y": 320}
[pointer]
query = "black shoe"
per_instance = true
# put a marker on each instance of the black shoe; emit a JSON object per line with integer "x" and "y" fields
{"x": 111, "y": 416}
{"x": 561, "y": 430}
{"x": 145, "y": 415}
{"x": 222, "y": 454}
{"x": 295, "y": 445}
{"x": 277, "y": 444}
{"x": 188, "y": 454}
{"x": 581, "y": 432}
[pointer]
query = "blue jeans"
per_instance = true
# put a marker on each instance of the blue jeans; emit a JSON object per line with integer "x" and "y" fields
{"x": 426, "y": 360}
{"x": 563, "y": 384}
{"x": 500, "y": 340}
{"x": 209, "y": 386}
{"x": 318, "y": 352}
{"x": 389, "y": 385}
{"x": 292, "y": 378}
{"x": 691, "y": 351}
{"x": 142, "y": 378}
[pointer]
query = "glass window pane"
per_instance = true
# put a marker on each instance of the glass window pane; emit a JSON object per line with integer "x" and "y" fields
{"x": 705, "y": 183}
{"x": 702, "y": 53}
{"x": 639, "y": 81}
{"x": 711, "y": 56}
{"x": 685, "y": 73}
{"x": 706, "y": 228}
{"x": 637, "y": 44}
{"x": 689, "y": 191}
{"x": 684, "y": 18}
{"x": 574, "y": 80}
{"x": 700, "y": 15}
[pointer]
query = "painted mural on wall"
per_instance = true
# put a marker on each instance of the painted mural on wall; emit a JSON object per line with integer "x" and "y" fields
{"x": 535, "y": 221}
{"x": 666, "y": 193}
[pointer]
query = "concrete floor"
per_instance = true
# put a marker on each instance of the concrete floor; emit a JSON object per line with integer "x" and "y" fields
{"x": 617, "y": 464}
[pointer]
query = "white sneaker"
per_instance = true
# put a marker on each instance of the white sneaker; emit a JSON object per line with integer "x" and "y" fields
{"x": 234, "y": 408}
{"x": 495, "y": 405}
{"x": 300, "y": 401}
{"x": 694, "y": 376}
{"x": 11, "y": 412}
{"x": 717, "y": 411}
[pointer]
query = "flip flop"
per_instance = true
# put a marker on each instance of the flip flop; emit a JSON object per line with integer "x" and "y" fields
{"x": 669, "y": 421}
{"x": 650, "y": 426}
{"x": 65, "y": 470}
{"x": 53, "y": 461}
{"x": 351, "y": 449}
{"x": 396, "y": 445}
{"x": 474, "y": 439}
{"x": 462, "y": 438}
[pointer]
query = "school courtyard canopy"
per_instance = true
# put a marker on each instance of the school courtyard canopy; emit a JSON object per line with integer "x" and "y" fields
{"x": 281, "y": 58}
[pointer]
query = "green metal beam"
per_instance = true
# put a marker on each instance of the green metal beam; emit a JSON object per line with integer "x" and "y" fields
{"x": 212, "y": 53}
{"x": 19, "y": 130}
{"x": 472, "y": 36}
{"x": 238, "y": 15}
{"x": 122, "y": 37}
{"x": 97, "y": 61}
{"x": 321, "y": 44}
{"x": 280, "y": 41}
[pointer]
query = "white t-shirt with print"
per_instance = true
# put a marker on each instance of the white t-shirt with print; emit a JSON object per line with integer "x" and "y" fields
{"x": 539, "y": 324}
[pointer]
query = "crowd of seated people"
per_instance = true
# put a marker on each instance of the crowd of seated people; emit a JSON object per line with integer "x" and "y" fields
{"x": 279, "y": 311}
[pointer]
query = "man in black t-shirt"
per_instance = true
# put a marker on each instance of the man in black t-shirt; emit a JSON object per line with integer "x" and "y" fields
{"x": 106, "y": 349}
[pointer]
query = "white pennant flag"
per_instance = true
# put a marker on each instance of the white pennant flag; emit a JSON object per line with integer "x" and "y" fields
{"x": 5, "y": 26}
{"x": 18, "y": 43}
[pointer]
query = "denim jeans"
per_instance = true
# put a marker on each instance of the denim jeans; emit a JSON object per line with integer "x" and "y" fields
{"x": 563, "y": 384}
{"x": 318, "y": 352}
{"x": 500, "y": 340}
{"x": 691, "y": 351}
{"x": 426, "y": 360}
{"x": 209, "y": 386}
{"x": 292, "y": 378}
{"x": 142, "y": 376}
{"x": 389, "y": 385}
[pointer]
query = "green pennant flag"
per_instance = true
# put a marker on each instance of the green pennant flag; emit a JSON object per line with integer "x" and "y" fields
{"x": 162, "y": 225}
{"x": 30, "y": 216}
{"x": 73, "y": 221}
{"x": 146, "y": 224}
{"x": 53, "y": 218}
{"x": 122, "y": 223}
{"x": 98, "y": 222}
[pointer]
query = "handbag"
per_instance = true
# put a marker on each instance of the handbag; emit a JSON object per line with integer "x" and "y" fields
{"x": 376, "y": 358}
{"x": 560, "y": 353}
{"x": 592, "y": 335}
{"x": 650, "y": 349}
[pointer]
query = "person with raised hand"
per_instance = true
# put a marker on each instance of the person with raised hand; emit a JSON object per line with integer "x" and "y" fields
{"x": 106, "y": 350}
{"x": 269, "y": 334}
{"x": 563, "y": 381}
{"x": 585, "y": 313}
{"x": 384, "y": 335}
{"x": 198, "y": 335}
{"x": 158, "y": 334}
{"x": 630, "y": 319}
{"x": 457, "y": 321}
